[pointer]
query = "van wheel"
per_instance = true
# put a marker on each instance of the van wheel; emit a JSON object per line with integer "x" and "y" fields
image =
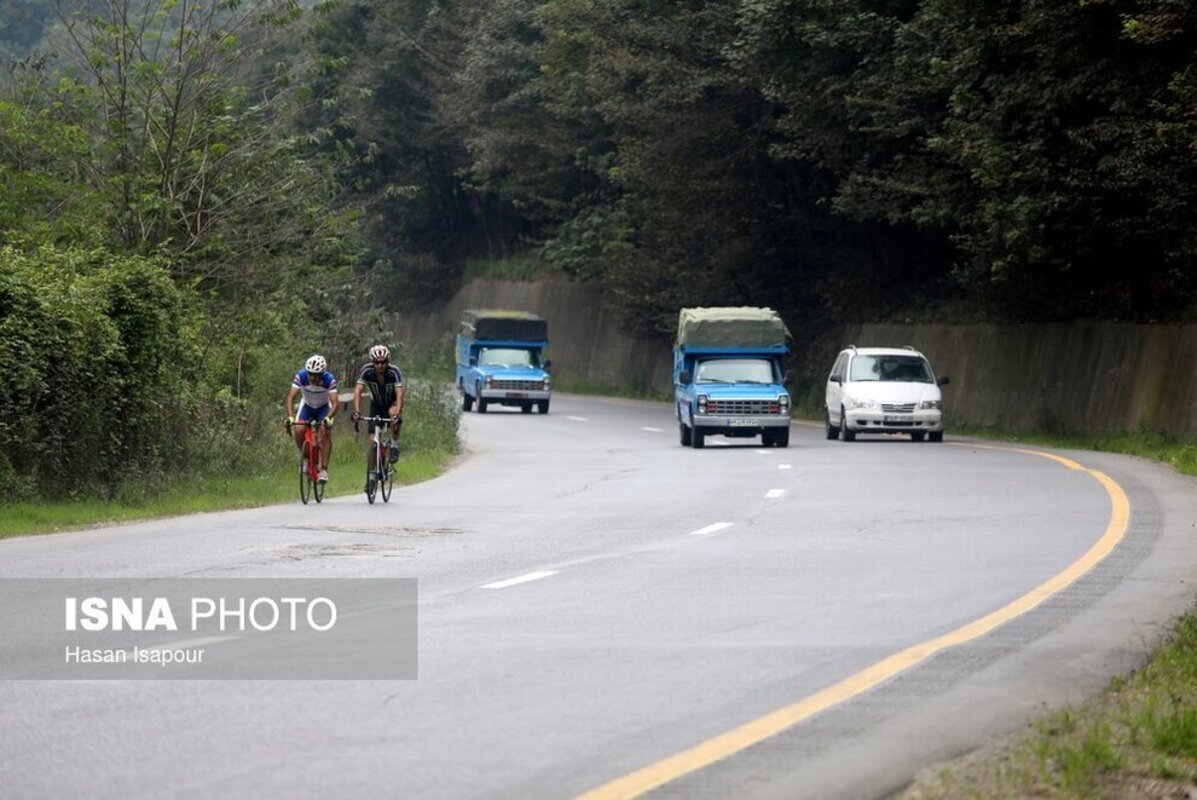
{"x": 917, "y": 436}
{"x": 831, "y": 431}
{"x": 849, "y": 434}
{"x": 935, "y": 436}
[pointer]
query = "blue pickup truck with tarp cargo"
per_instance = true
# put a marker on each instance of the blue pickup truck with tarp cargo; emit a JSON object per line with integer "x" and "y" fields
{"x": 729, "y": 376}
{"x": 500, "y": 360}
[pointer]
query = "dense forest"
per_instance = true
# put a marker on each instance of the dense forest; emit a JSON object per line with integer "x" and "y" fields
{"x": 193, "y": 193}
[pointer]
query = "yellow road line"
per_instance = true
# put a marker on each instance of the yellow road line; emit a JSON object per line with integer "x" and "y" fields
{"x": 726, "y": 744}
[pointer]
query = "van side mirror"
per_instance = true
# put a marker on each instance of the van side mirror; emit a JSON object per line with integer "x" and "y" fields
{"x": 942, "y": 380}
{"x": 683, "y": 377}
{"x": 835, "y": 379}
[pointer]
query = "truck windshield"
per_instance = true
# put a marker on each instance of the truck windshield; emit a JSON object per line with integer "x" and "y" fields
{"x": 906, "y": 369}
{"x": 735, "y": 370}
{"x": 507, "y": 357}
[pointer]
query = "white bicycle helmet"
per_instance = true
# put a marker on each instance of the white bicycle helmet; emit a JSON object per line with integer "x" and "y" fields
{"x": 379, "y": 352}
{"x": 316, "y": 364}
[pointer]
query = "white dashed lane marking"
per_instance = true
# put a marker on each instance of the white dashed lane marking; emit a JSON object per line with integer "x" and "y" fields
{"x": 773, "y": 494}
{"x": 715, "y": 528}
{"x": 531, "y": 576}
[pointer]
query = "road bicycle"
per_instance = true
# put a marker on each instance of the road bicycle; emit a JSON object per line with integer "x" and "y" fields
{"x": 380, "y": 472}
{"x": 310, "y": 484}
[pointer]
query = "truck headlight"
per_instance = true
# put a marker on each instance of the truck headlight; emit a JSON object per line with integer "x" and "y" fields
{"x": 928, "y": 405}
{"x": 546, "y": 383}
{"x": 853, "y": 402}
{"x": 702, "y": 404}
{"x": 783, "y": 400}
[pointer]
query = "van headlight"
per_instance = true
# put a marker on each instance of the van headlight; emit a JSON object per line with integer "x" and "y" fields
{"x": 853, "y": 402}
{"x": 929, "y": 405}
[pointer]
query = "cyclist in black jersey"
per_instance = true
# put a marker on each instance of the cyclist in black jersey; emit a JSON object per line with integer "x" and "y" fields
{"x": 385, "y": 384}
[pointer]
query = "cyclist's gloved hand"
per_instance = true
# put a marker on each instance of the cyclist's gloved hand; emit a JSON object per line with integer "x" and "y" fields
{"x": 355, "y": 416}
{"x": 328, "y": 422}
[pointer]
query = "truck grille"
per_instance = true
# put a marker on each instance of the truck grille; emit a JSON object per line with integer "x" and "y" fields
{"x": 517, "y": 385}
{"x": 743, "y": 407}
{"x": 898, "y": 408}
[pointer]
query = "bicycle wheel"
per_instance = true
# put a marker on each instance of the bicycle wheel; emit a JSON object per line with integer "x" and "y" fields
{"x": 388, "y": 483}
{"x": 314, "y": 470}
{"x": 304, "y": 478}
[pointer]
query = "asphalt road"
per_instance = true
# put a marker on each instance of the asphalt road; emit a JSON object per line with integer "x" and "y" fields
{"x": 595, "y": 600}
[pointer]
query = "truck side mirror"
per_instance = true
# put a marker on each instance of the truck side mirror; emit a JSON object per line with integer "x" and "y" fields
{"x": 788, "y": 377}
{"x": 942, "y": 380}
{"x": 473, "y": 361}
{"x": 548, "y": 364}
{"x": 683, "y": 377}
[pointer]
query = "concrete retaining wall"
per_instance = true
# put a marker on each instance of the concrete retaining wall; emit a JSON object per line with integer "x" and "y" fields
{"x": 1085, "y": 376}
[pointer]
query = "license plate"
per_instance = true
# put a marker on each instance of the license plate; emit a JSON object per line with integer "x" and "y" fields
{"x": 741, "y": 423}
{"x": 517, "y": 394}
{"x": 894, "y": 420}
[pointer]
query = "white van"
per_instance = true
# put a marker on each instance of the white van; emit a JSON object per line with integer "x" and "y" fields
{"x": 884, "y": 390}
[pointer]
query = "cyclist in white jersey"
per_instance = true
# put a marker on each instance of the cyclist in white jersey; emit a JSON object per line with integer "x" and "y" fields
{"x": 318, "y": 387}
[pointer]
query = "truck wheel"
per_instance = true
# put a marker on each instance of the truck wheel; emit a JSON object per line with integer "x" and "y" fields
{"x": 481, "y": 402}
{"x": 697, "y": 438}
{"x": 683, "y": 434}
{"x": 830, "y": 430}
{"x": 526, "y": 407}
{"x": 467, "y": 402}
{"x": 542, "y": 406}
{"x": 781, "y": 437}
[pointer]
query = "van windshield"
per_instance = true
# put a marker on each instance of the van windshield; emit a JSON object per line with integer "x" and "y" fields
{"x": 735, "y": 370}
{"x": 507, "y": 357}
{"x": 904, "y": 369}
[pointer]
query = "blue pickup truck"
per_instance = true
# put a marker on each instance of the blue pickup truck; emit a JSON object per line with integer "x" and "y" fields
{"x": 729, "y": 377}
{"x": 499, "y": 360}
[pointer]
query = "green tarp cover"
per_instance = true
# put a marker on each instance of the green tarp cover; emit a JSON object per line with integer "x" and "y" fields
{"x": 493, "y": 323}
{"x": 730, "y": 327}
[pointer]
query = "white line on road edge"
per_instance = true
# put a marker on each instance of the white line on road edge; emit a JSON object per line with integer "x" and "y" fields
{"x": 785, "y": 466}
{"x": 773, "y": 494}
{"x": 653, "y": 430}
{"x": 531, "y": 576}
{"x": 718, "y": 526}
{"x": 762, "y": 452}
{"x": 578, "y": 419}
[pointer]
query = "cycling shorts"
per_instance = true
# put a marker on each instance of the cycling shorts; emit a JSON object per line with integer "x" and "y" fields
{"x": 309, "y": 414}
{"x": 378, "y": 410}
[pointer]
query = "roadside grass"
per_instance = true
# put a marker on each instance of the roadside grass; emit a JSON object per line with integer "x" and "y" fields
{"x": 1138, "y": 740}
{"x": 1180, "y": 454}
{"x": 524, "y": 267}
{"x": 215, "y": 493}
{"x": 429, "y": 444}
{"x": 577, "y": 386}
